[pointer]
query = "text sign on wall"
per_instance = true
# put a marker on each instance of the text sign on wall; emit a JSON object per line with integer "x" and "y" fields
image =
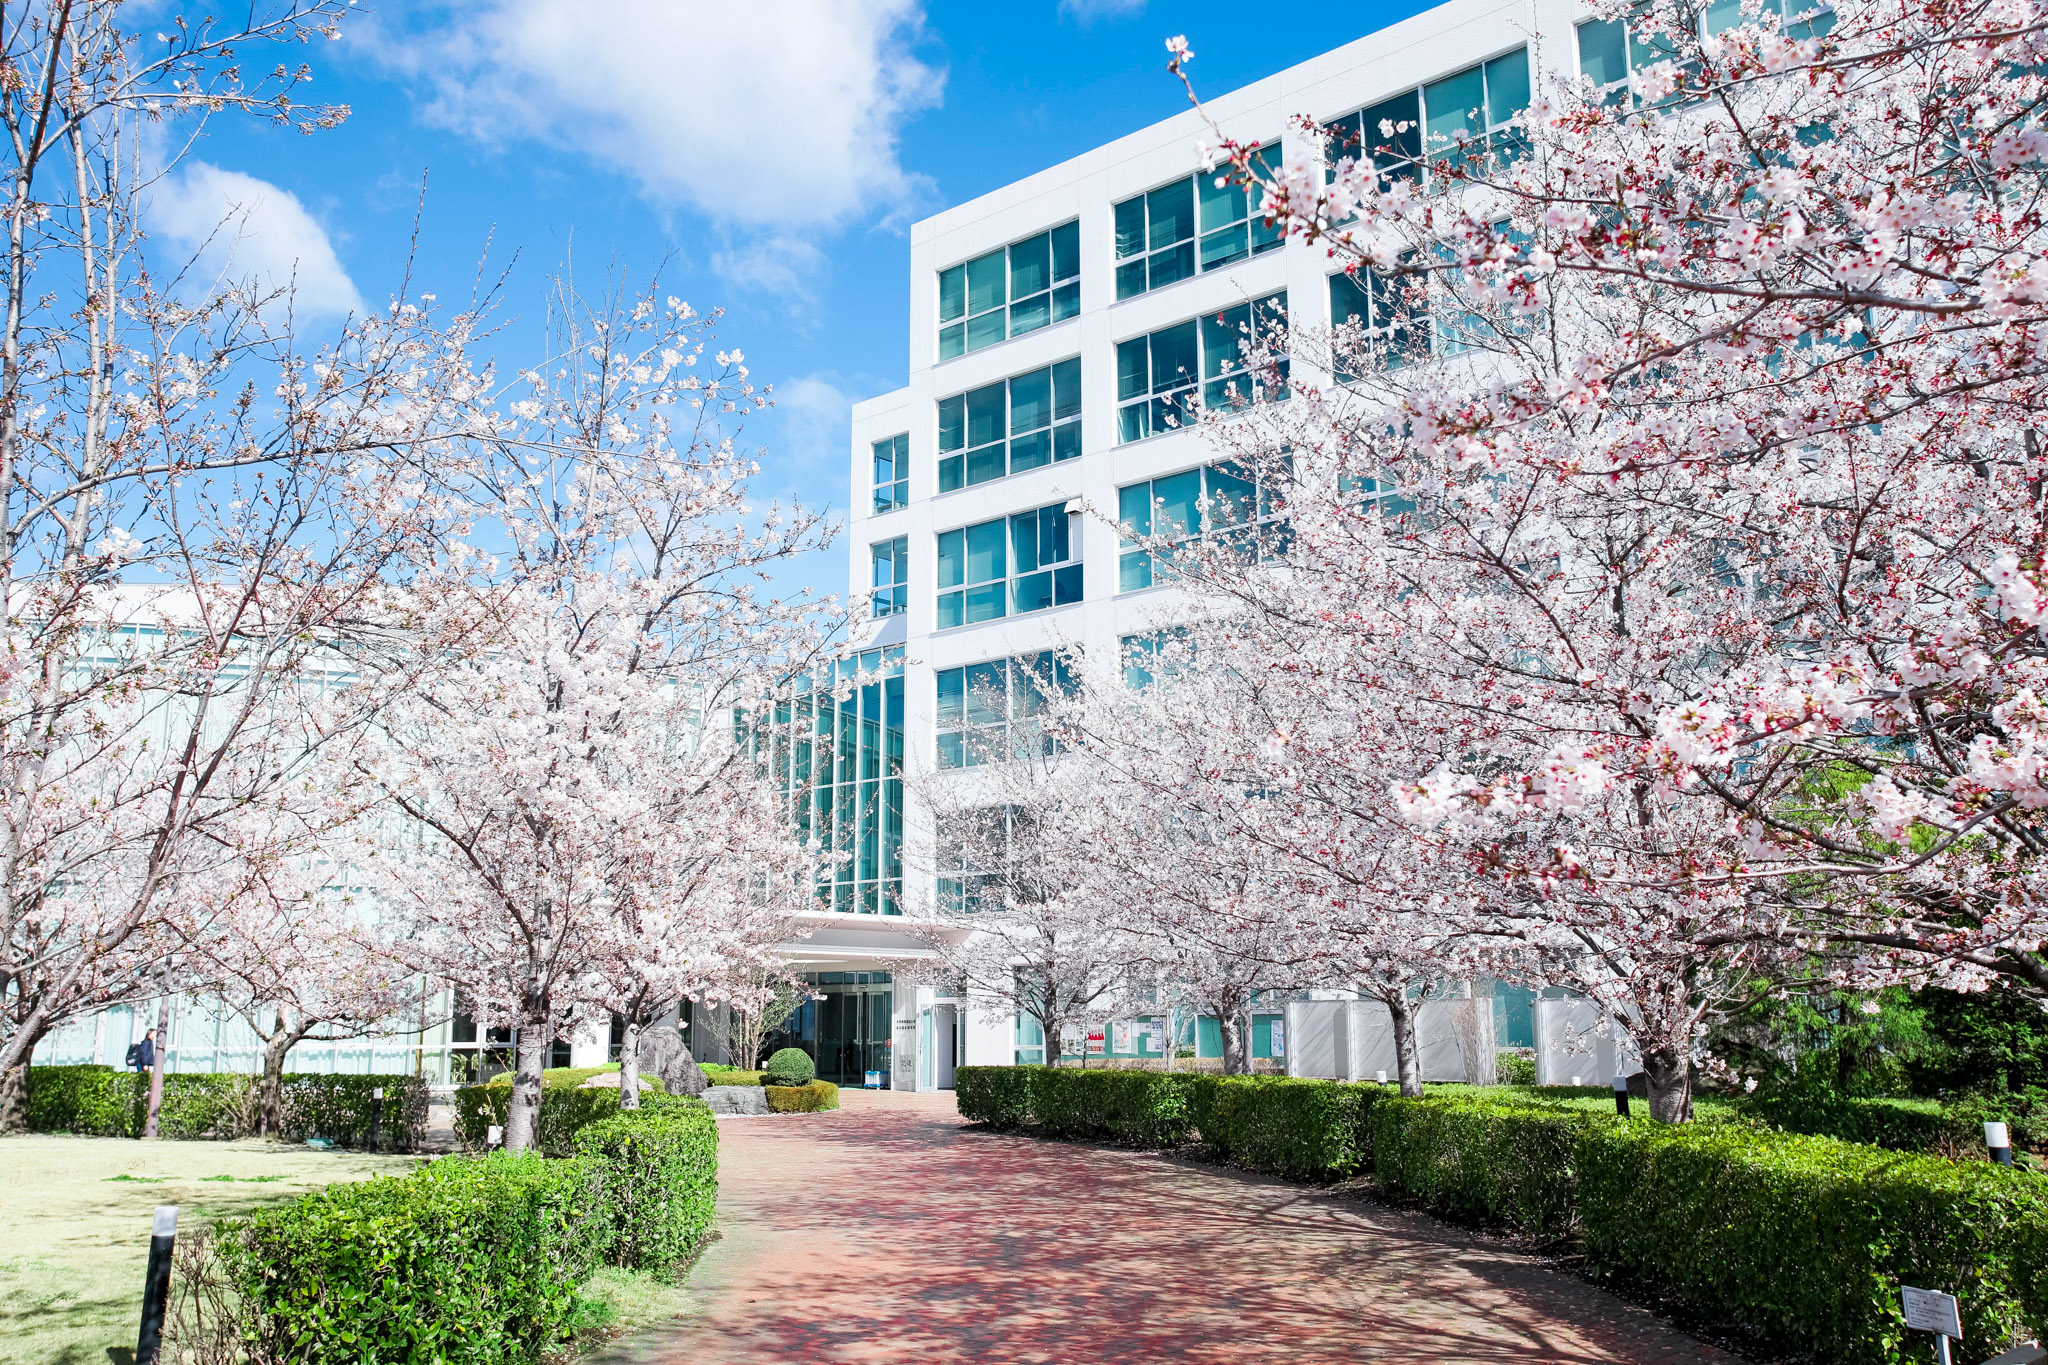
{"x": 1930, "y": 1310}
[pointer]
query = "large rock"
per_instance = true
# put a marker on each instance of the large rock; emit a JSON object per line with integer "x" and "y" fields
{"x": 664, "y": 1054}
{"x": 737, "y": 1099}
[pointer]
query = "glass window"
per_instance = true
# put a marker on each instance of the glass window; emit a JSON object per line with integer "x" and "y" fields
{"x": 1156, "y": 374}
{"x": 1021, "y": 288}
{"x": 986, "y": 711}
{"x": 1007, "y": 428}
{"x": 1394, "y": 311}
{"x": 891, "y": 575}
{"x": 1167, "y": 234}
{"x": 1155, "y": 655}
{"x": 1026, "y": 562}
{"x": 1468, "y": 108}
{"x": 838, "y": 762}
{"x": 1219, "y": 502}
{"x": 892, "y": 472}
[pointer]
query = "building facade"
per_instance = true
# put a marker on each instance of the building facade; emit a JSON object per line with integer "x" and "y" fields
{"x": 1058, "y": 326}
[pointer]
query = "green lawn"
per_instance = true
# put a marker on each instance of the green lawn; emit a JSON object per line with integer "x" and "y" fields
{"x": 74, "y": 1226}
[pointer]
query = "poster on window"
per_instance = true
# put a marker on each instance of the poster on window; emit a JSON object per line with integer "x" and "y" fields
{"x": 1280, "y": 1037}
{"x": 1120, "y": 1038}
{"x": 1095, "y": 1041}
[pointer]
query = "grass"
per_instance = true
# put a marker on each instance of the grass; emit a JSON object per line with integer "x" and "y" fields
{"x": 74, "y": 1227}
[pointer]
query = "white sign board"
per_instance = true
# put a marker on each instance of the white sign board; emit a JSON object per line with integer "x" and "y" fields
{"x": 1279, "y": 1037}
{"x": 1930, "y": 1310}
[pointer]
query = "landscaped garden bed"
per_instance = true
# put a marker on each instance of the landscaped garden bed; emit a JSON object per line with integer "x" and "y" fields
{"x": 1799, "y": 1242}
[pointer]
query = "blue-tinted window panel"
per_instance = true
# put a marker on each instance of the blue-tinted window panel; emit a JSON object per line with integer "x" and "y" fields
{"x": 984, "y": 603}
{"x": 1507, "y": 86}
{"x": 1603, "y": 51}
{"x": 1170, "y": 214}
{"x": 952, "y": 560}
{"x": 985, "y": 552}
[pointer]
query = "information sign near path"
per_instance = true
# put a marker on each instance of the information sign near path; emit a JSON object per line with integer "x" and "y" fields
{"x": 1930, "y": 1310}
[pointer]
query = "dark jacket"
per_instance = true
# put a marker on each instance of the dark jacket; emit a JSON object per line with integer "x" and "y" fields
{"x": 145, "y": 1055}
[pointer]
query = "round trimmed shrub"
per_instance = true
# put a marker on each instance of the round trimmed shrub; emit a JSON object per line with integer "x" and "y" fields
{"x": 790, "y": 1066}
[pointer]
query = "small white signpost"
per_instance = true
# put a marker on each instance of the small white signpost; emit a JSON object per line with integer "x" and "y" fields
{"x": 1930, "y": 1310}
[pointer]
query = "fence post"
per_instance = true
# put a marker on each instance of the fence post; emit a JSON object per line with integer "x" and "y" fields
{"x": 156, "y": 1284}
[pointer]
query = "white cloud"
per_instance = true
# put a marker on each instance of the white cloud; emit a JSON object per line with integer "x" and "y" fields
{"x": 1088, "y": 11}
{"x": 814, "y": 421}
{"x": 773, "y": 263}
{"x": 233, "y": 226}
{"x": 783, "y": 115}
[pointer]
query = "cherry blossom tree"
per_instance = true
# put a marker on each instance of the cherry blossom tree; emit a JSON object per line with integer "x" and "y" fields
{"x": 1013, "y": 862}
{"x": 200, "y": 508}
{"x": 575, "y": 770}
{"x": 1695, "y": 418}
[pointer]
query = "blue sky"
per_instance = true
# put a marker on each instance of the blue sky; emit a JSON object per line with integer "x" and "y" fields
{"x": 772, "y": 153}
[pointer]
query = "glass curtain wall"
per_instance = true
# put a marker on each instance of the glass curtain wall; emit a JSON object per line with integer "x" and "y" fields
{"x": 835, "y": 749}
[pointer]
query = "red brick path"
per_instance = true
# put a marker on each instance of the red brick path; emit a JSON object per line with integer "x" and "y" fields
{"x": 892, "y": 1232}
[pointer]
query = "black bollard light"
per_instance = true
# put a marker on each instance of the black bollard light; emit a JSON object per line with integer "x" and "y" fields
{"x": 376, "y": 1116}
{"x": 1999, "y": 1141}
{"x": 156, "y": 1284}
{"x": 1621, "y": 1096}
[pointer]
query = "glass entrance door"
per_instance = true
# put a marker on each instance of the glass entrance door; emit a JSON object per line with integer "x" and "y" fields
{"x": 848, "y": 1030}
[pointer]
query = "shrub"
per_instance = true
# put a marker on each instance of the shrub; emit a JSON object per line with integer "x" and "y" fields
{"x": 471, "y": 1261}
{"x": 1127, "y": 1105}
{"x": 1805, "y": 1240}
{"x": 338, "y": 1107}
{"x": 1301, "y": 1129}
{"x": 1903, "y": 1125}
{"x": 565, "y": 1110}
{"x": 1481, "y": 1159}
{"x": 103, "y": 1102}
{"x": 1514, "y": 1069}
{"x": 790, "y": 1066}
{"x": 731, "y": 1075}
{"x": 812, "y": 1097}
{"x": 999, "y": 1096}
{"x": 656, "y": 1177}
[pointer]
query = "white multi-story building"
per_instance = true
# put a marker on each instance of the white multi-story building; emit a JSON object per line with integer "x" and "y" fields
{"x": 1057, "y": 322}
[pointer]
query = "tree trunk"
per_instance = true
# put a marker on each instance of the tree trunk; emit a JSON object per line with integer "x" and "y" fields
{"x": 14, "y": 1098}
{"x": 156, "y": 1069}
{"x": 270, "y": 1089}
{"x": 1407, "y": 1057}
{"x": 522, "y": 1120}
{"x": 1231, "y": 1026}
{"x": 1052, "y": 1042}
{"x": 1172, "y": 1044}
{"x": 1669, "y": 1074}
{"x": 629, "y": 1066}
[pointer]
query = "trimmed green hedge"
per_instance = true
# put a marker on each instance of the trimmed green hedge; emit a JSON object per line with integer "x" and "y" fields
{"x": 103, "y": 1102}
{"x": 1903, "y": 1125}
{"x": 566, "y": 1108}
{"x": 1482, "y": 1159}
{"x": 657, "y": 1179}
{"x": 338, "y": 1108}
{"x": 999, "y": 1096}
{"x": 1802, "y": 1242}
{"x": 471, "y": 1260}
{"x": 1120, "y": 1104}
{"x": 812, "y": 1097}
{"x": 731, "y": 1075}
{"x": 1805, "y": 1241}
{"x": 1302, "y": 1129}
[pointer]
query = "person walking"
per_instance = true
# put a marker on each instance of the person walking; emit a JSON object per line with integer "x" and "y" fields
{"x": 142, "y": 1055}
